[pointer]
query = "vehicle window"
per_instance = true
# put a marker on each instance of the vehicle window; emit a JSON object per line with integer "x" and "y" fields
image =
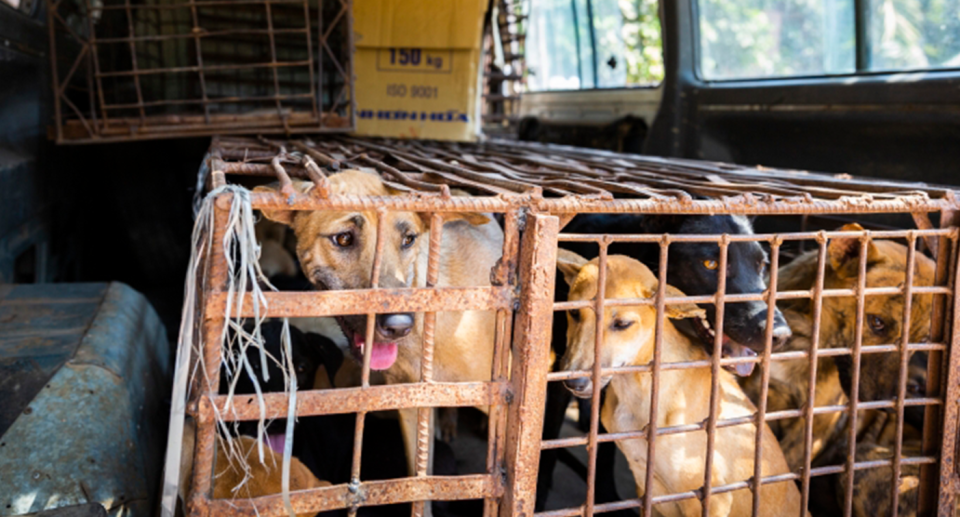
{"x": 583, "y": 44}
{"x": 748, "y": 39}
{"x": 914, "y": 34}
{"x": 776, "y": 38}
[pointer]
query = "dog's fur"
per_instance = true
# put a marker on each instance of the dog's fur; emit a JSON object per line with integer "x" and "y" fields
{"x": 886, "y": 267}
{"x": 231, "y": 481}
{"x": 871, "y": 488}
{"x": 628, "y": 340}
{"x": 471, "y": 245}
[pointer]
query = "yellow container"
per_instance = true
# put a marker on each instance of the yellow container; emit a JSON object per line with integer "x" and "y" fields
{"x": 417, "y": 66}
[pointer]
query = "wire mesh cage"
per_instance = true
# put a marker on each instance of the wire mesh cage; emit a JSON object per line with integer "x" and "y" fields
{"x": 815, "y": 372}
{"x": 146, "y": 69}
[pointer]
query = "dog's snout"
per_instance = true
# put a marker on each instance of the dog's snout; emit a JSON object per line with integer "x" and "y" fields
{"x": 781, "y": 331}
{"x": 781, "y": 334}
{"x": 577, "y": 385}
{"x": 395, "y": 326}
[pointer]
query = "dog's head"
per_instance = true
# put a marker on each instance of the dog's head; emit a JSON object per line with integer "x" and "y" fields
{"x": 628, "y": 334}
{"x": 694, "y": 269}
{"x": 337, "y": 248}
{"x": 883, "y": 314}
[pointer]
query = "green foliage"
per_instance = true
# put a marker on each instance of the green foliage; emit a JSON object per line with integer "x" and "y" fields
{"x": 643, "y": 41}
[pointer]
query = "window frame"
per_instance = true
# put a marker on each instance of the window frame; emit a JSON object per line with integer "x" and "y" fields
{"x": 862, "y": 56}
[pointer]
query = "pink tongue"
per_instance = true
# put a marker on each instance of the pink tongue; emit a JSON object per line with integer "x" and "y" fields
{"x": 744, "y": 369}
{"x": 382, "y": 356}
{"x": 277, "y": 442}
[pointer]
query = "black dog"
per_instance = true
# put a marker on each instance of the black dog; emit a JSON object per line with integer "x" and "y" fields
{"x": 692, "y": 268}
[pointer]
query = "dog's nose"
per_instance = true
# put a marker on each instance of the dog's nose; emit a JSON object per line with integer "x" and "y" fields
{"x": 395, "y": 326}
{"x": 781, "y": 334}
{"x": 577, "y": 385}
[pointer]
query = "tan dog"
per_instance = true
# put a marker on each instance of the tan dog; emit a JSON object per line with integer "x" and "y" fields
{"x": 628, "y": 339}
{"x": 886, "y": 267}
{"x": 336, "y": 251}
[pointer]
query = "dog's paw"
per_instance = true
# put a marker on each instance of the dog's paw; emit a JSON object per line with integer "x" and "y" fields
{"x": 447, "y": 424}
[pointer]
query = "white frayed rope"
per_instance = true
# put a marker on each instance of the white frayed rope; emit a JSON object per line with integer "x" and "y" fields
{"x": 242, "y": 253}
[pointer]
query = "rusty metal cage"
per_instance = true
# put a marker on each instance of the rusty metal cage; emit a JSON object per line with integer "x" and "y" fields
{"x": 146, "y": 69}
{"x": 538, "y": 190}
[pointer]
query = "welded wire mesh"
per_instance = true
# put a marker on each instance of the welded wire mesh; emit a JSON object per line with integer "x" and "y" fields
{"x": 146, "y": 69}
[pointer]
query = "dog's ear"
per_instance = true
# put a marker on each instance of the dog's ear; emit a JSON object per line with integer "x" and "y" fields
{"x": 570, "y": 264}
{"x": 282, "y": 216}
{"x": 682, "y": 310}
{"x": 844, "y": 252}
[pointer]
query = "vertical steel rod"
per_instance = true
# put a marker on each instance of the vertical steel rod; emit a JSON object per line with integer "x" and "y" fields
{"x": 496, "y": 428}
{"x": 424, "y": 415}
{"x": 596, "y": 377}
{"x": 904, "y": 365}
{"x": 651, "y": 433}
{"x": 133, "y": 62}
{"x": 197, "y": 41}
{"x": 96, "y": 64}
{"x": 273, "y": 63}
{"x": 715, "y": 375}
{"x": 313, "y": 77}
{"x": 931, "y": 442}
{"x": 530, "y": 363}
{"x": 367, "y": 351}
{"x": 765, "y": 371}
{"x": 855, "y": 377}
{"x": 948, "y": 449}
{"x": 812, "y": 379}
{"x": 54, "y": 73}
{"x": 213, "y": 335}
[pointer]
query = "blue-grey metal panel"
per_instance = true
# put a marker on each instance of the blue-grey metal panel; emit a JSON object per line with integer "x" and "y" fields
{"x": 94, "y": 432}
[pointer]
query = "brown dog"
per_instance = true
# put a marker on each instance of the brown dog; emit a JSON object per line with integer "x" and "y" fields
{"x": 886, "y": 267}
{"x": 336, "y": 251}
{"x": 231, "y": 481}
{"x": 628, "y": 339}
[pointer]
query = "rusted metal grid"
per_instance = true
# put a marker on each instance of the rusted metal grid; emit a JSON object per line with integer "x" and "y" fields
{"x": 146, "y": 69}
{"x": 538, "y": 189}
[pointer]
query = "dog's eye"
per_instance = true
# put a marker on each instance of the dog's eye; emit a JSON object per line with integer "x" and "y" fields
{"x": 915, "y": 389}
{"x": 877, "y": 325}
{"x": 301, "y": 368}
{"x": 343, "y": 239}
{"x": 619, "y": 324}
{"x": 575, "y": 315}
{"x": 710, "y": 264}
{"x": 408, "y": 241}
